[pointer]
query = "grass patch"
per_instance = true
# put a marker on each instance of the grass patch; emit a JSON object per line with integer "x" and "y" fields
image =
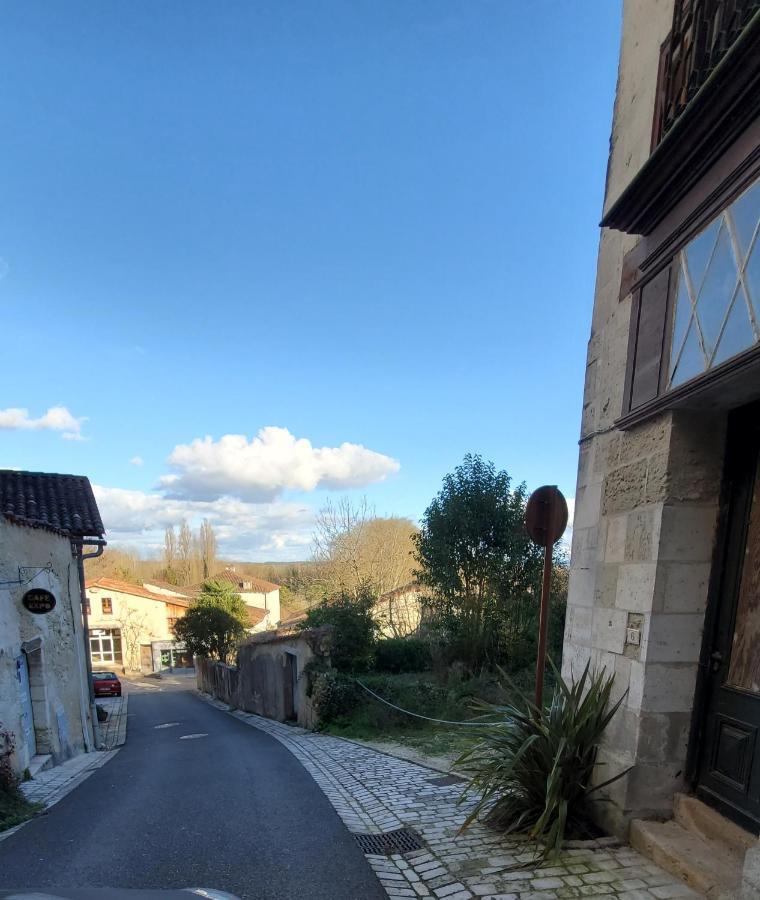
{"x": 449, "y": 697}
{"x": 15, "y": 808}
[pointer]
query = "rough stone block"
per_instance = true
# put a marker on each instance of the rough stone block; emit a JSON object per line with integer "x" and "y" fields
{"x": 608, "y": 629}
{"x": 578, "y": 625}
{"x": 615, "y": 539}
{"x": 668, "y": 687}
{"x": 663, "y": 736}
{"x": 642, "y": 535}
{"x": 605, "y": 586}
{"x": 580, "y": 590}
{"x": 624, "y": 488}
{"x": 673, "y": 638}
{"x": 682, "y": 587}
{"x": 646, "y": 440}
{"x": 587, "y": 504}
{"x": 687, "y": 533}
{"x": 635, "y": 587}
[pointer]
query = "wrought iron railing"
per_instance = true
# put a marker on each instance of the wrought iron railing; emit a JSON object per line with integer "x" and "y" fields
{"x": 703, "y": 32}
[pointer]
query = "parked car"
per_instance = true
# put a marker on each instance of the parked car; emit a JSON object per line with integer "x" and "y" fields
{"x": 106, "y": 684}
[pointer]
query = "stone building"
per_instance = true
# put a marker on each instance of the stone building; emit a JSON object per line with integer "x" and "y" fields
{"x": 665, "y": 572}
{"x": 44, "y": 685}
{"x": 131, "y": 628}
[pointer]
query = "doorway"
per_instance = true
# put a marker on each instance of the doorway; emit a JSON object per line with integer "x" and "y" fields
{"x": 729, "y": 758}
{"x": 290, "y": 685}
{"x": 25, "y": 695}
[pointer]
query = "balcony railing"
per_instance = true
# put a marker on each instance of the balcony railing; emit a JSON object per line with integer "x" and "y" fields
{"x": 703, "y": 32}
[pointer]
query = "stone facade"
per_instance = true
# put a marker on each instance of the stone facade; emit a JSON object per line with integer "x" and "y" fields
{"x": 50, "y": 646}
{"x": 646, "y": 500}
{"x": 270, "y": 678}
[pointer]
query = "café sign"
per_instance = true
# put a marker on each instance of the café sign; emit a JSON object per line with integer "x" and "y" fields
{"x": 38, "y": 601}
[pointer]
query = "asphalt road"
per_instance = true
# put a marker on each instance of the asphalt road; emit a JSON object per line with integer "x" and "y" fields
{"x": 234, "y": 811}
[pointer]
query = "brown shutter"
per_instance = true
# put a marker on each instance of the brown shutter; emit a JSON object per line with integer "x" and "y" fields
{"x": 648, "y": 321}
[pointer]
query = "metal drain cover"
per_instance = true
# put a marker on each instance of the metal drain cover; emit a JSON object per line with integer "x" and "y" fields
{"x": 446, "y": 780}
{"x": 403, "y": 840}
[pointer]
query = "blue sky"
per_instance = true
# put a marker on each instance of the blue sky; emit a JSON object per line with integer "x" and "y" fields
{"x": 368, "y": 227}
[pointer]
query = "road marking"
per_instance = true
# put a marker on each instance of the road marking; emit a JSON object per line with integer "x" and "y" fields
{"x": 190, "y": 737}
{"x": 167, "y": 725}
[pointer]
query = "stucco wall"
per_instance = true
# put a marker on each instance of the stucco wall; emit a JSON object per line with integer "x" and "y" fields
{"x": 58, "y": 674}
{"x": 257, "y": 683}
{"x": 646, "y": 501}
{"x": 269, "y": 601}
{"x": 140, "y": 619}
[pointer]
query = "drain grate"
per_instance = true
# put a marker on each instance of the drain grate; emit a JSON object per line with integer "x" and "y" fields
{"x": 446, "y": 780}
{"x": 403, "y": 840}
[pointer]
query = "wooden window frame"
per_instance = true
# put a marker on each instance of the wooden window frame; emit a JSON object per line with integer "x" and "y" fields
{"x": 109, "y": 601}
{"x": 736, "y": 170}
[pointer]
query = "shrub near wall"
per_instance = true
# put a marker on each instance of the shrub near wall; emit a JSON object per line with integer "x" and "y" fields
{"x": 402, "y": 655}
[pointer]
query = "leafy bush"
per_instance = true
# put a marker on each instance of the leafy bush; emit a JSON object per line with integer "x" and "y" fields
{"x": 351, "y": 615}
{"x": 399, "y": 654}
{"x": 333, "y": 694}
{"x": 533, "y": 767}
{"x": 14, "y": 807}
{"x": 210, "y": 631}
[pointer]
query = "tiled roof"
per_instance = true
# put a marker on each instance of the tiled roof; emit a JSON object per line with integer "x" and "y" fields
{"x": 61, "y": 503}
{"x": 292, "y": 620}
{"x": 258, "y": 585}
{"x": 135, "y": 590}
{"x": 255, "y": 615}
{"x": 166, "y": 586}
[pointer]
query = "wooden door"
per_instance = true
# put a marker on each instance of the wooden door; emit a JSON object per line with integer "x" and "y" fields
{"x": 729, "y": 770}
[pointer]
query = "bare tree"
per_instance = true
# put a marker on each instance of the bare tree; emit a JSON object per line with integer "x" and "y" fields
{"x": 133, "y": 623}
{"x": 185, "y": 553}
{"x": 207, "y": 548}
{"x": 351, "y": 544}
{"x": 170, "y": 551}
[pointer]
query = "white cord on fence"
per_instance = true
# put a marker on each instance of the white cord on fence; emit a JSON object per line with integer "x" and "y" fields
{"x": 417, "y": 715}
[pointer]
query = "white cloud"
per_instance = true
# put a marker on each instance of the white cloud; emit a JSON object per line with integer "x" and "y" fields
{"x": 243, "y": 530}
{"x": 261, "y": 469}
{"x": 57, "y": 418}
{"x": 136, "y": 461}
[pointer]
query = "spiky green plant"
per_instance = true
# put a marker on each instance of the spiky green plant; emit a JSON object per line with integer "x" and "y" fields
{"x": 532, "y": 767}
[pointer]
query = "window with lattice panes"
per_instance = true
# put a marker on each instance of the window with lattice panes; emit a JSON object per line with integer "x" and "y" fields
{"x": 717, "y": 305}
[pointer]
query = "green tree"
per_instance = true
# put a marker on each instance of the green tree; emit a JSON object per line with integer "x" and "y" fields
{"x": 475, "y": 557}
{"x": 351, "y": 615}
{"x": 221, "y": 595}
{"x": 210, "y": 631}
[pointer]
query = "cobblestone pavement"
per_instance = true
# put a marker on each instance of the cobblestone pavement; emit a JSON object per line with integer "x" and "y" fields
{"x": 113, "y": 732}
{"x": 376, "y": 793}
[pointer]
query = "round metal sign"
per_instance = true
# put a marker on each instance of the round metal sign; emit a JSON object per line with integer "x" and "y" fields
{"x": 38, "y": 601}
{"x": 546, "y": 515}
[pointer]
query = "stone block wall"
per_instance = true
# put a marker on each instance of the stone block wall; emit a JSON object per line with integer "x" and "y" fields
{"x": 646, "y": 501}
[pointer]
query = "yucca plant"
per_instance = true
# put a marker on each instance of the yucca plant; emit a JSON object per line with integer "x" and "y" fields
{"x": 532, "y": 767}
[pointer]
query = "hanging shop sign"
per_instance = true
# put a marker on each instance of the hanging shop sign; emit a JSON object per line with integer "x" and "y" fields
{"x": 38, "y": 601}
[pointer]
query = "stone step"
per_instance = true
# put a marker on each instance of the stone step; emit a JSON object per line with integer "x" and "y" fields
{"x": 708, "y": 824}
{"x": 39, "y": 763}
{"x": 703, "y": 865}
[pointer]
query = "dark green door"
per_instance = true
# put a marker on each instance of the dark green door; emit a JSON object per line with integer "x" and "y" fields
{"x": 729, "y": 771}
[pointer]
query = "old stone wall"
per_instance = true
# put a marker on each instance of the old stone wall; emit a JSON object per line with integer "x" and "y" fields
{"x": 52, "y": 645}
{"x": 259, "y": 682}
{"x": 646, "y": 501}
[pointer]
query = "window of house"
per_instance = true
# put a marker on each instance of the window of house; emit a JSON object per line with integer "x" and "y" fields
{"x": 172, "y": 621}
{"x": 105, "y": 645}
{"x": 107, "y": 604}
{"x": 87, "y": 607}
{"x": 717, "y": 302}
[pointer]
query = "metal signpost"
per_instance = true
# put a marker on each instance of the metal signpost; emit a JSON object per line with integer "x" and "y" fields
{"x": 545, "y": 520}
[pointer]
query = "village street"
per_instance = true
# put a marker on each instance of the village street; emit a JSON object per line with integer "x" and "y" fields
{"x": 205, "y": 796}
{"x": 232, "y": 810}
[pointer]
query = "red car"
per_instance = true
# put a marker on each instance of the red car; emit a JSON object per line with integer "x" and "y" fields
{"x": 106, "y": 684}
